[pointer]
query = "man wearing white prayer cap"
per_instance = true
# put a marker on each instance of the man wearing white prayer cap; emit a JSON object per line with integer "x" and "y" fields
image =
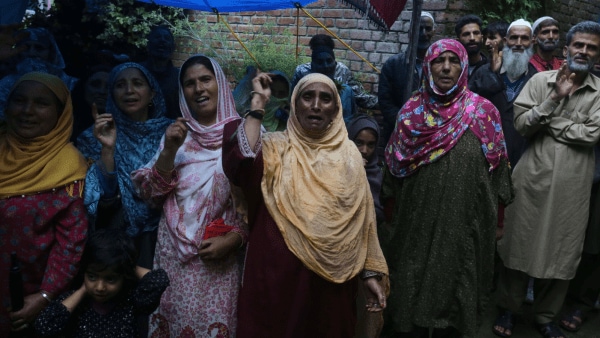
{"x": 559, "y": 112}
{"x": 502, "y": 80}
{"x": 545, "y": 39}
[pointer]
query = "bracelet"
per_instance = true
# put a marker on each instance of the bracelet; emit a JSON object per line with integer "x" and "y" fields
{"x": 164, "y": 172}
{"x": 365, "y": 274}
{"x": 45, "y": 295}
{"x": 261, "y": 94}
{"x": 256, "y": 113}
{"x": 242, "y": 237}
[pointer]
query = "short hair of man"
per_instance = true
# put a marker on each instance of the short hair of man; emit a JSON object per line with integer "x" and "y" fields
{"x": 465, "y": 20}
{"x": 545, "y": 23}
{"x": 321, "y": 40}
{"x": 589, "y": 27}
{"x": 496, "y": 27}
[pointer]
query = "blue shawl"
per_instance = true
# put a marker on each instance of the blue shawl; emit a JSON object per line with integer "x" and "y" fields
{"x": 137, "y": 142}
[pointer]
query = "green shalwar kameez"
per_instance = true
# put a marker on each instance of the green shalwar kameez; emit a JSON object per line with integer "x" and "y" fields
{"x": 442, "y": 243}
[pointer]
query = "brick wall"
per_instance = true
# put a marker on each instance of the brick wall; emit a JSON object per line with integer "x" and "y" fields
{"x": 355, "y": 30}
{"x": 570, "y": 12}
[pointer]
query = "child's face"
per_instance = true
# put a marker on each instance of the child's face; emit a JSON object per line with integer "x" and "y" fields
{"x": 103, "y": 285}
{"x": 279, "y": 88}
{"x": 366, "y": 141}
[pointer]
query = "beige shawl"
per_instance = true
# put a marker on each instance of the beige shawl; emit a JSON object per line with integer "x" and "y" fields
{"x": 315, "y": 188}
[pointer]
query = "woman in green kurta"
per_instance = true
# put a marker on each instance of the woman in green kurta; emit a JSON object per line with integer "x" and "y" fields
{"x": 448, "y": 169}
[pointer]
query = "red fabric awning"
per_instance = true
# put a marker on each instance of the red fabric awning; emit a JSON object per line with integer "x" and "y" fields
{"x": 382, "y": 13}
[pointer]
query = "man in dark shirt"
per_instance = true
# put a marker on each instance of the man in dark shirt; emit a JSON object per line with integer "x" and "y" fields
{"x": 394, "y": 73}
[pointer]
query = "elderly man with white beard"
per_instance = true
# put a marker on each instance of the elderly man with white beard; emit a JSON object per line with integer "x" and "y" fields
{"x": 502, "y": 80}
{"x": 545, "y": 41}
{"x": 558, "y": 111}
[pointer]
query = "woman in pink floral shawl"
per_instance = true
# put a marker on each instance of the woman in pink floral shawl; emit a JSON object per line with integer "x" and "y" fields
{"x": 432, "y": 121}
{"x": 448, "y": 173}
{"x": 200, "y": 232}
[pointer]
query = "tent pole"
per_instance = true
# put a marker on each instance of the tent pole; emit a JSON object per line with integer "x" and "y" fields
{"x": 411, "y": 52}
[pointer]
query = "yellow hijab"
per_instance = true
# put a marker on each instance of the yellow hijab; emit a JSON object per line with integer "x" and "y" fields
{"x": 29, "y": 166}
{"x": 315, "y": 188}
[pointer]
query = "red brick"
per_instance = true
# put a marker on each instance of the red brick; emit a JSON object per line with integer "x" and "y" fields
{"x": 333, "y": 13}
{"x": 286, "y": 21}
{"x": 360, "y": 34}
{"x": 258, "y": 20}
{"x": 346, "y": 23}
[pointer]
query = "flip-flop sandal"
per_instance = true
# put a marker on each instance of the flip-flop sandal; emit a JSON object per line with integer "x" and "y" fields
{"x": 571, "y": 318}
{"x": 505, "y": 320}
{"x": 550, "y": 330}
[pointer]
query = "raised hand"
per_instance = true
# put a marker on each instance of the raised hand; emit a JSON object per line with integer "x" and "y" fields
{"x": 174, "y": 138}
{"x": 175, "y": 135}
{"x": 564, "y": 83}
{"x": 261, "y": 89}
{"x": 496, "y": 55}
{"x": 105, "y": 130}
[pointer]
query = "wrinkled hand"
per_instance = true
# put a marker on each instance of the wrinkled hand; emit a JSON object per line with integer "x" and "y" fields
{"x": 261, "y": 84}
{"x": 8, "y": 39}
{"x": 376, "y": 300}
{"x": 105, "y": 130}
{"x": 33, "y": 305}
{"x": 496, "y": 55}
{"x": 218, "y": 247}
{"x": 564, "y": 83}
{"x": 175, "y": 135}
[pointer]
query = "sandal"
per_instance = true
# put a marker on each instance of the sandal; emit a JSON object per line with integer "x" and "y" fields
{"x": 572, "y": 320}
{"x": 550, "y": 330}
{"x": 505, "y": 320}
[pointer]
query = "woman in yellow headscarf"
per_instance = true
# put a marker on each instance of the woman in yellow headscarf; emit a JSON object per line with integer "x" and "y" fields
{"x": 311, "y": 217}
{"x": 42, "y": 216}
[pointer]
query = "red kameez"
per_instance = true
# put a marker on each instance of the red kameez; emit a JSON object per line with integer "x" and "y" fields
{"x": 280, "y": 297}
{"x": 47, "y": 231}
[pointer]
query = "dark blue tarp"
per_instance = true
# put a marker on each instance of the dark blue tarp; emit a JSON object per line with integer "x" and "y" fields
{"x": 225, "y": 6}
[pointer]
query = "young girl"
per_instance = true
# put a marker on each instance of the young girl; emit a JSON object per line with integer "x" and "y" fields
{"x": 113, "y": 294}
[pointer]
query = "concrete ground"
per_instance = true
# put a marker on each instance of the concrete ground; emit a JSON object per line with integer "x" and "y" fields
{"x": 524, "y": 327}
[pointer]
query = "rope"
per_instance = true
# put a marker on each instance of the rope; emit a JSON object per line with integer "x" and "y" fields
{"x": 297, "y": 32}
{"x": 220, "y": 18}
{"x": 337, "y": 37}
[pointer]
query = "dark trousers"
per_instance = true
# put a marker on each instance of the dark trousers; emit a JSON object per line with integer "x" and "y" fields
{"x": 549, "y": 294}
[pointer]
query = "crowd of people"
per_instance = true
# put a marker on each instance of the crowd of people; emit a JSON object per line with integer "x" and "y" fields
{"x": 145, "y": 199}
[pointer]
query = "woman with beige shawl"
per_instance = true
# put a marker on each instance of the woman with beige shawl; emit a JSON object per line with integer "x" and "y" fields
{"x": 311, "y": 217}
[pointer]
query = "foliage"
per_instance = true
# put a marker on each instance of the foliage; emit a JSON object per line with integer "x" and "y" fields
{"x": 130, "y": 21}
{"x": 274, "y": 48}
{"x": 508, "y": 10}
{"x": 123, "y": 25}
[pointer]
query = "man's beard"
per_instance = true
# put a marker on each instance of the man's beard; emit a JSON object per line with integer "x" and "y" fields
{"x": 577, "y": 67}
{"x": 547, "y": 48}
{"x": 516, "y": 63}
{"x": 473, "y": 51}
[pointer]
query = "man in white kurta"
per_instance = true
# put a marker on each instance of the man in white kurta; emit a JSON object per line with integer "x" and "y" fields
{"x": 559, "y": 114}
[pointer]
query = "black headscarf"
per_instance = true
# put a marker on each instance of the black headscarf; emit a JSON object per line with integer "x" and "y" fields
{"x": 374, "y": 174}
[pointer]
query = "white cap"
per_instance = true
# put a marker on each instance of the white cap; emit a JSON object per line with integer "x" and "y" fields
{"x": 519, "y": 22}
{"x": 539, "y": 21}
{"x": 427, "y": 14}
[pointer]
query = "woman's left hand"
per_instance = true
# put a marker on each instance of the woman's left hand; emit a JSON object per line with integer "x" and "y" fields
{"x": 219, "y": 247}
{"x": 375, "y": 295}
{"x": 261, "y": 84}
{"x": 33, "y": 305}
